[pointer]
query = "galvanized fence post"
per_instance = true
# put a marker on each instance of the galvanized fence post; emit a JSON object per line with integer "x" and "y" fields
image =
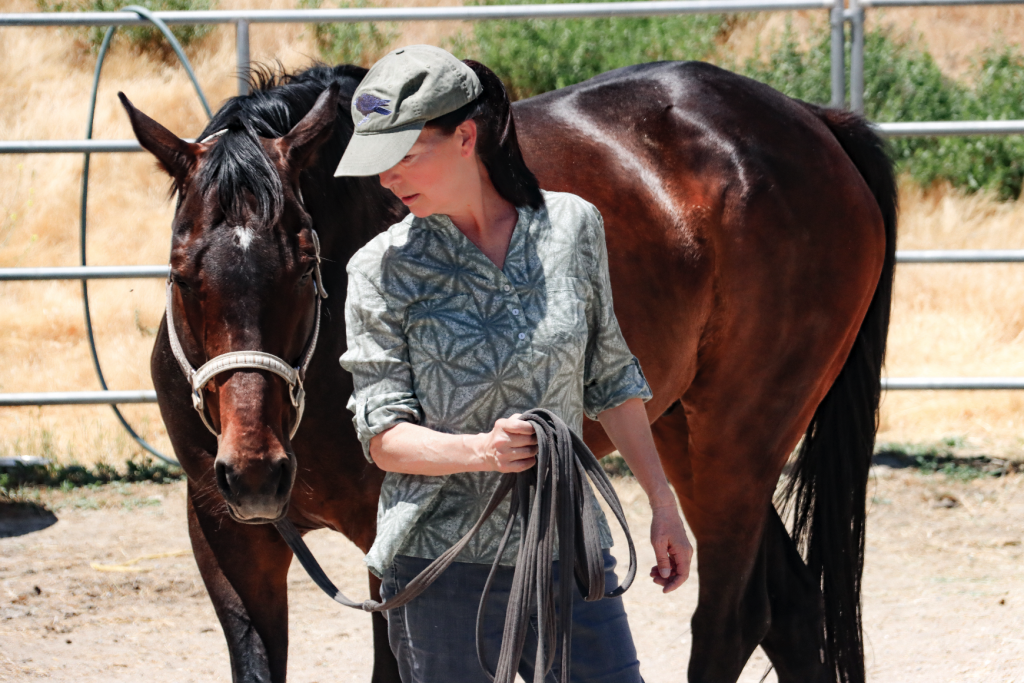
{"x": 856, "y": 57}
{"x": 838, "y": 21}
{"x": 242, "y": 55}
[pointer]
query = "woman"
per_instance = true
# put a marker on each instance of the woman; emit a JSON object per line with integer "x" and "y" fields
{"x": 490, "y": 298}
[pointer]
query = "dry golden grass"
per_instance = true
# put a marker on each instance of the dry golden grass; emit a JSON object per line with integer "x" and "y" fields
{"x": 949, "y": 320}
{"x": 956, "y": 36}
{"x": 957, "y": 320}
{"x": 753, "y": 32}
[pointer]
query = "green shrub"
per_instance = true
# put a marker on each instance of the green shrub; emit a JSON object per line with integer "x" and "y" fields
{"x": 145, "y": 38}
{"x": 360, "y": 43}
{"x": 990, "y": 162}
{"x": 804, "y": 75}
{"x": 536, "y": 55}
{"x": 903, "y": 83}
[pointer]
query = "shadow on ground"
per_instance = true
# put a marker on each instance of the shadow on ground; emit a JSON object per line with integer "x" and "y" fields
{"x": 18, "y": 518}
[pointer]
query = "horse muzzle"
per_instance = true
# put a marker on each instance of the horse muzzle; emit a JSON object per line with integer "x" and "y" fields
{"x": 258, "y": 490}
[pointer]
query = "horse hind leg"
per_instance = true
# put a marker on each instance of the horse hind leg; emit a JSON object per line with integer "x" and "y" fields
{"x": 385, "y": 665}
{"x": 733, "y": 612}
{"x": 795, "y": 640}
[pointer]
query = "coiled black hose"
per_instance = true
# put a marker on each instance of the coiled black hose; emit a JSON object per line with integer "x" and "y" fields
{"x": 104, "y": 46}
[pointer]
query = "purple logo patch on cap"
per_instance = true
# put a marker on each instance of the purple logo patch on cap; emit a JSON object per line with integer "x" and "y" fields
{"x": 370, "y": 104}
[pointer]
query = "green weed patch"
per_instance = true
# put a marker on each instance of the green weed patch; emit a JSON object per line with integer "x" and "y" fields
{"x": 939, "y": 459}
{"x": 360, "y": 43}
{"x": 72, "y": 476}
{"x": 537, "y": 55}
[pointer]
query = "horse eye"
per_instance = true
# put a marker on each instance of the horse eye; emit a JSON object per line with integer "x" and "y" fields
{"x": 307, "y": 274}
{"x": 184, "y": 286}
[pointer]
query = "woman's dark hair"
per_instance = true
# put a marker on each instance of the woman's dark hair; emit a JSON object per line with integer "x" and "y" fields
{"x": 496, "y": 141}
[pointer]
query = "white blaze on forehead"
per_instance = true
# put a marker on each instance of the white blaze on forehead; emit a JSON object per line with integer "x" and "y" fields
{"x": 244, "y": 236}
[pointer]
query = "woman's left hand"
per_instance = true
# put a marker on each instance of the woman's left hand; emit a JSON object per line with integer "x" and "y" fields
{"x": 671, "y": 547}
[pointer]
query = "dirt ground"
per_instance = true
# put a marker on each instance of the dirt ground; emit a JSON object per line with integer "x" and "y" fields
{"x": 943, "y": 591}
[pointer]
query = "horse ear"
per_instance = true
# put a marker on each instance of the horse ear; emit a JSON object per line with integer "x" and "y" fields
{"x": 301, "y": 143}
{"x": 176, "y": 156}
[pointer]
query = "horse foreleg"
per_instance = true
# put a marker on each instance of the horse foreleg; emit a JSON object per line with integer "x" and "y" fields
{"x": 244, "y": 568}
{"x": 733, "y": 613}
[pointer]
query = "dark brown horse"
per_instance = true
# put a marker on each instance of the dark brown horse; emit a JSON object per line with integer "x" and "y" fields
{"x": 751, "y": 242}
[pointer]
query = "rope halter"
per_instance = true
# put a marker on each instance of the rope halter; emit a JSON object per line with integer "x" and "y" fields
{"x": 250, "y": 360}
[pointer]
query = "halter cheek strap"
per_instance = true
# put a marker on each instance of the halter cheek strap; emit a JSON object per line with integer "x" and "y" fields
{"x": 250, "y": 360}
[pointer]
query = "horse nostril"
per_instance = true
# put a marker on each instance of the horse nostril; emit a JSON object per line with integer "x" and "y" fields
{"x": 284, "y": 481}
{"x": 220, "y": 469}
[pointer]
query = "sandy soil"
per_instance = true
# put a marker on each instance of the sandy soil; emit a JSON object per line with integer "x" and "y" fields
{"x": 944, "y": 592}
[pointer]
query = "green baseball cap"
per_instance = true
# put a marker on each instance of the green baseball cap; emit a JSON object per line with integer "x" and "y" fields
{"x": 401, "y": 92}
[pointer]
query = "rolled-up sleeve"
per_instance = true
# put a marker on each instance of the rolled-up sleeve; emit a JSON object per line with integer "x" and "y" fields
{"x": 378, "y": 358}
{"x": 612, "y": 374}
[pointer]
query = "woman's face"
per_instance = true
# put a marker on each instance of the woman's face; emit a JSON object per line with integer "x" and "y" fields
{"x": 439, "y": 173}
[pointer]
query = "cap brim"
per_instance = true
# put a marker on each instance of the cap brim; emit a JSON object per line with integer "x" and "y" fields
{"x": 374, "y": 153}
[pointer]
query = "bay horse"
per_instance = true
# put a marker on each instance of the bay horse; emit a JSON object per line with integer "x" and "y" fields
{"x": 752, "y": 246}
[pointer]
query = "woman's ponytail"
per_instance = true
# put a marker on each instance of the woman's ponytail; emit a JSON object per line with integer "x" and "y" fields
{"x": 496, "y": 143}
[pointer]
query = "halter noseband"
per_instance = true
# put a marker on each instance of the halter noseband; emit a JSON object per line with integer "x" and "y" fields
{"x": 252, "y": 360}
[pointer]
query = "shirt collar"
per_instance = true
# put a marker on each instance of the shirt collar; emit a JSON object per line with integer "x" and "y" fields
{"x": 441, "y": 221}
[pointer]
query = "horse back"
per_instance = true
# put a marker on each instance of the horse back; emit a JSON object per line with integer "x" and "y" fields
{"x": 737, "y": 226}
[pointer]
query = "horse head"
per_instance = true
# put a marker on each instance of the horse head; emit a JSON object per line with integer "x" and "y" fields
{"x": 244, "y": 277}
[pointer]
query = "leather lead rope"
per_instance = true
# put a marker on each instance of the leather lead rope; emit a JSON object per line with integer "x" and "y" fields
{"x": 552, "y": 499}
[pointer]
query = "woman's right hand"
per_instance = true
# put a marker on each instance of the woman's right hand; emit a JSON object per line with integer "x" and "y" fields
{"x": 510, "y": 447}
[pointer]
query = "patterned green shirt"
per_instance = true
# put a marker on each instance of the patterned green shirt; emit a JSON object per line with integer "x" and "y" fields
{"x": 440, "y": 336}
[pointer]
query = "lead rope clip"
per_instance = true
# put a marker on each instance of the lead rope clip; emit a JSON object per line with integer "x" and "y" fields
{"x": 320, "y": 289}
{"x": 297, "y": 392}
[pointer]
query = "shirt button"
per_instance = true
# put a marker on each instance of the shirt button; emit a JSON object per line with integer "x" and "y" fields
{"x": 522, "y": 335}
{"x": 507, "y": 288}
{"x": 515, "y": 311}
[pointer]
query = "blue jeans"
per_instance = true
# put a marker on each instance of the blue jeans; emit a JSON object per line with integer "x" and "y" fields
{"x": 434, "y": 636}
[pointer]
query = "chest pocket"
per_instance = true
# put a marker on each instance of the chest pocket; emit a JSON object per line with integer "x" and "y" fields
{"x": 563, "y": 331}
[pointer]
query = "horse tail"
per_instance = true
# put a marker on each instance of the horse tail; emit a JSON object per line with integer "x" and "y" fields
{"x": 828, "y": 485}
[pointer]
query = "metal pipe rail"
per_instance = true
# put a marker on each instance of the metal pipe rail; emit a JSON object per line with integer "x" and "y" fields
{"x": 76, "y": 398}
{"x": 80, "y": 398}
{"x": 83, "y": 273}
{"x": 933, "y": 3}
{"x": 70, "y": 146}
{"x": 960, "y": 256}
{"x": 905, "y": 129}
{"x": 589, "y": 10}
{"x": 952, "y": 383}
{"x": 892, "y": 130}
{"x": 162, "y": 271}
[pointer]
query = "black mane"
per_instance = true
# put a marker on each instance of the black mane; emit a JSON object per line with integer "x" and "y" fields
{"x": 237, "y": 165}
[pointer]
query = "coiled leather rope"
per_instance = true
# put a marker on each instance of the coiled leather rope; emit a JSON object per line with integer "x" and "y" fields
{"x": 552, "y": 499}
